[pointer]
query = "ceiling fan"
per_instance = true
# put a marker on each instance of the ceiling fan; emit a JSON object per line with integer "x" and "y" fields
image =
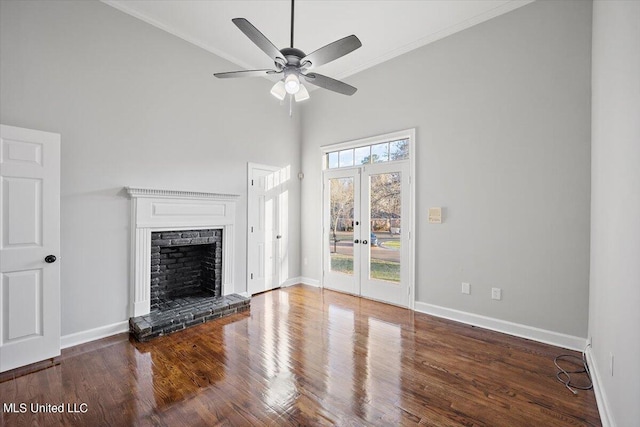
{"x": 294, "y": 65}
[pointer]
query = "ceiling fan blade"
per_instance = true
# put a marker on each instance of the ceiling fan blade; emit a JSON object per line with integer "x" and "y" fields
{"x": 332, "y": 51}
{"x": 259, "y": 39}
{"x": 244, "y": 73}
{"x": 329, "y": 83}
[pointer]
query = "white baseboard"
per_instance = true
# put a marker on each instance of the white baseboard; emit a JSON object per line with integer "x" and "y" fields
{"x": 304, "y": 280}
{"x": 93, "y": 334}
{"x": 244, "y": 294}
{"x": 601, "y": 397}
{"x": 291, "y": 281}
{"x": 517, "y": 329}
{"x": 309, "y": 281}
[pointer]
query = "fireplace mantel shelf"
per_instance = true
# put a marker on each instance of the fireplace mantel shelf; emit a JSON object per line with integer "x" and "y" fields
{"x": 159, "y": 193}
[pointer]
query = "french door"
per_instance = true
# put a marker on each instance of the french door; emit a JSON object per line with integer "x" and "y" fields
{"x": 366, "y": 231}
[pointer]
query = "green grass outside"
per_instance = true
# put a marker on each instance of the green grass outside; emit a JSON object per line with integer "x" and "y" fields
{"x": 381, "y": 270}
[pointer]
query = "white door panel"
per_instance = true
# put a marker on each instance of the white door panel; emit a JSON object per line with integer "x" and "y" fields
{"x": 29, "y": 232}
{"x": 265, "y": 228}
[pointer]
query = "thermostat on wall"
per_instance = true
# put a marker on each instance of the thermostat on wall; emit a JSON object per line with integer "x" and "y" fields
{"x": 435, "y": 215}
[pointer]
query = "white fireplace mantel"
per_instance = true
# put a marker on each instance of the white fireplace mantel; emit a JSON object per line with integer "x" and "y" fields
{"x": 163, "y": 210}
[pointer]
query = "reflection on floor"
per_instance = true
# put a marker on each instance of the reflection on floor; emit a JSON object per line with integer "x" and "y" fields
{"x": 304, "y": 356}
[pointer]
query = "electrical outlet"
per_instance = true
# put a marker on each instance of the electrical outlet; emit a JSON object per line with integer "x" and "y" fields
{"x": 466, "y": 288}
{"x": 496, "y": 293}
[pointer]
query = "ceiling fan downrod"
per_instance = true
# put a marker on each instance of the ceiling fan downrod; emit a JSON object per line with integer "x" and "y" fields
{"x": 292, "y": 2}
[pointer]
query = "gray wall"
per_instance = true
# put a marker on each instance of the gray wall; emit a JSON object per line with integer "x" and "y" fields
{"x": 502, "y": 115}
{"x": 135, "y": 106}
{"x": 614, "y": 312}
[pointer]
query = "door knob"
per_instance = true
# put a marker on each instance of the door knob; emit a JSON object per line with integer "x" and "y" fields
{"x": 49, "y": 259}
{"x": 356, "y": 241}
{"x": 364, "y": 242}
{"x": 278, "y": 236}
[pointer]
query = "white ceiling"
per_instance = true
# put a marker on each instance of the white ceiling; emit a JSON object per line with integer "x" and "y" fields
{"x": 386, "y": 28}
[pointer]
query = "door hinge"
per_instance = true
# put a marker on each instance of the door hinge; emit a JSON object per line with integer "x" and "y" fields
{"x": 251, "y": 276}
{"x": 408, "y": 290}
{"x": 409, "y": 236}
{"x": 252, "y": 183}
{"x": 252, "y": 229}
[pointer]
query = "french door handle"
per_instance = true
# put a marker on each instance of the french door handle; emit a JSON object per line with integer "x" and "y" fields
{"x": 278, "y": 237}
{"x": 356, "y": 241}
{"x": 364, "y": 242}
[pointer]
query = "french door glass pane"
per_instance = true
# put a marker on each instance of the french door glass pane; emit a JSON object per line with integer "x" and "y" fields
{"x": 386, "y": 216}
{"x": 341, "y": 224}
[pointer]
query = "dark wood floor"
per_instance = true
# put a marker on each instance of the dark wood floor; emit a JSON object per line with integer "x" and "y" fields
{"x": 303, "y": 356}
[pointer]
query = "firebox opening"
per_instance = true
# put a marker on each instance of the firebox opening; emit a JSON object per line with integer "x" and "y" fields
{"x": 186, "y": 266}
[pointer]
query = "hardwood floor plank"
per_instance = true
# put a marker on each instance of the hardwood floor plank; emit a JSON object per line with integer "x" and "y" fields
{"x": 304, "y": 356}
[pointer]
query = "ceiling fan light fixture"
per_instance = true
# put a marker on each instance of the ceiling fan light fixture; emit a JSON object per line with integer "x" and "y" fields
{"x": 278, "y": 90}
{"x": 292, "y": 84}
{"x": 302, "y": 94}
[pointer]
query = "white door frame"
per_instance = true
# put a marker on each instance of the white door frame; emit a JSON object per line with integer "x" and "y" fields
{"x": 409, "y": 134}
{"x": 29, "y": 246}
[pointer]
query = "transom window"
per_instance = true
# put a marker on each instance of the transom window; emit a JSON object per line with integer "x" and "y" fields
{"x": 375, "y": 153}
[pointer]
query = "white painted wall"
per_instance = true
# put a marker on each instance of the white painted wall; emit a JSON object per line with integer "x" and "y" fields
{"x": 135, "y": 106}
{"x": 614, "y": 311}
{"x": 502, "y": 114}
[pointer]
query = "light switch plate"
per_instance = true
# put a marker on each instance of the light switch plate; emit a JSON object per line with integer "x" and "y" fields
{"x": 466, "y": 288}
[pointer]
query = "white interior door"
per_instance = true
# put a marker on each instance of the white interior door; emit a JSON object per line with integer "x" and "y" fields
{"x": 30, "y": 241}
{"x": 265, "y": 235}
{"x": 366, "y": 231}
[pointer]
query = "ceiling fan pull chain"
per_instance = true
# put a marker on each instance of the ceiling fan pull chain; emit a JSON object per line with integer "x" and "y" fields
{"x": 290, "y": 105}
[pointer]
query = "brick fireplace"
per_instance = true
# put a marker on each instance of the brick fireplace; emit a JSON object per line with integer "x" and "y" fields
{"x": 185, "y": 263}
{"x": 182, "y": 256}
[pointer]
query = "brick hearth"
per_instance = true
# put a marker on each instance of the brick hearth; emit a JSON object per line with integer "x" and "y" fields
{"x": 185, "y": 312}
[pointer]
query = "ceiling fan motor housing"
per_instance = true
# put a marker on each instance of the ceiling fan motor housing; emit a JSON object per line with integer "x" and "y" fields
{"x": 293, "y": 56}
